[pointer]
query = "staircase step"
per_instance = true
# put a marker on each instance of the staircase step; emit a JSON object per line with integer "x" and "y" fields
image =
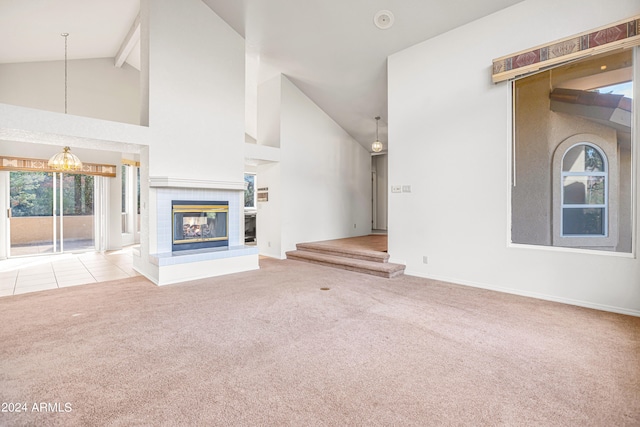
{"x": 375, "y": 268}
{"x": 362, "y": 254}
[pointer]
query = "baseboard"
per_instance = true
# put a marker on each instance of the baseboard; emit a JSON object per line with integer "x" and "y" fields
{"x": 569, "y": 301}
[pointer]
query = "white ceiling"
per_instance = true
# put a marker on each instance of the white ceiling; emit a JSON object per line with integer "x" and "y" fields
{"x": 330, "y": 49}
{"x": 30, "y": 29}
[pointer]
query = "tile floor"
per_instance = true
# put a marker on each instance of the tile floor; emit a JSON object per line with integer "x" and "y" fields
{"x": 32, "y": 274}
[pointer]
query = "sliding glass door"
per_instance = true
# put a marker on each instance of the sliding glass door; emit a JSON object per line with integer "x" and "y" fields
{"x": 51, "y": 213}
{"x": 75, "y": 213}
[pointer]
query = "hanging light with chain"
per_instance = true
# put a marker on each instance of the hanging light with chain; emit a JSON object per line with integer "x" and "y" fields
{"x": 65, "y": 161}
{"x": 377, "y": 145}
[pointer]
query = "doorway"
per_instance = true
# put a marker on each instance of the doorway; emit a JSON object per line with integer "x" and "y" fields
{"x": 51, "y": 212}
{"x": 379, "y": 184}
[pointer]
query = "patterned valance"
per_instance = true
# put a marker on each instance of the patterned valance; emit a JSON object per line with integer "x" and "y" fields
{"x": 39, "y": 165}
{"x": 129, "y": 162}
{"x": 613, "y": 36}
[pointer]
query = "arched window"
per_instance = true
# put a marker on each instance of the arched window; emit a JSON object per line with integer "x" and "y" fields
{"x": 584, "y": 191}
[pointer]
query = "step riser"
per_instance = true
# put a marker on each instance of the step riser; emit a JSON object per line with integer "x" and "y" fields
{"x": 375, "y": 268}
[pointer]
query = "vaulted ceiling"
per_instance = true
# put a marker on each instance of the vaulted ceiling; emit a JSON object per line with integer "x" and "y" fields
{"x": 331, "y": 49}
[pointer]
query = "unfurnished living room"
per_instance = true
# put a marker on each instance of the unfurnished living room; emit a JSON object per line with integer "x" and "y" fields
{"x": 319, "y": 213}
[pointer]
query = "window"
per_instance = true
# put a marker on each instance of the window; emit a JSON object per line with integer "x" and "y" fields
{"x": 572, "y": 156}
{"x": 584, "y": 192}
{"x": 249, "y": 191}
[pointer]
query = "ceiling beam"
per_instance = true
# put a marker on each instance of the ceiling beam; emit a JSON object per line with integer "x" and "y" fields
{"x": 129, "y": 42}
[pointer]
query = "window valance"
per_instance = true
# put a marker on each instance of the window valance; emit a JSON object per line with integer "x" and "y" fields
{"x": 613, "y": 36}
{"x": 40, "y": 165}
{"x": 129, "y": 162}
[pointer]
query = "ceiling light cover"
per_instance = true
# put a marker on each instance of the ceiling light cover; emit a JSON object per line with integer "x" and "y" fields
{"x": 65, "y": 161}
{"x": 383, "y": 19}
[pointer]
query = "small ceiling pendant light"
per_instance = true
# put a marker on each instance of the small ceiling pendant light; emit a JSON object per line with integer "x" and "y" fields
{"x": 377, "y": 145}
{"x": 65, "y": 161}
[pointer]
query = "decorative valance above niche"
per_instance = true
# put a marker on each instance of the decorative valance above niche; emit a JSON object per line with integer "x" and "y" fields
{"x": 621, "y": 34}
{"x": 41, "y": 165}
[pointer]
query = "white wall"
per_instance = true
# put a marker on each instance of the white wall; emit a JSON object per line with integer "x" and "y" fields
{"x": 196, "y": 92}
{"x": 269, "y": 214}
{"x": 195, "y": 108}
{"x": 449, "y": 127}
{"x": 95, "y": 88}
{"x": 269, "y": 112}
{"x": 324, "y": 188}
{"x": 326, "y": 175}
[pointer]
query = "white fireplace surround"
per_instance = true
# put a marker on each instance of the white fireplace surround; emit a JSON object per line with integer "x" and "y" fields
{"x": 165, "y": 196}
{"x": 171, "y": 267}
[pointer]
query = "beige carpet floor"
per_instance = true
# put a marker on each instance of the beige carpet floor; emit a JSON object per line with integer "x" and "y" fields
{"x": 269, "y": 347}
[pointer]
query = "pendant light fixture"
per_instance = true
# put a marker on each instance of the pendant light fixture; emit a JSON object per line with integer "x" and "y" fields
{"x": 65, "y": 161}
{"x": 377, "y": 145}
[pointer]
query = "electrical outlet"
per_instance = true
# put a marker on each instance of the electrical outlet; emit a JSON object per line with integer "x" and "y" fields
{"x": 354, "y": 226}
{"x": 269, "y": 244}
{"x": 406, "y": 189}
{"x": 425, "y": 260}
{"x": 396, "y": 189}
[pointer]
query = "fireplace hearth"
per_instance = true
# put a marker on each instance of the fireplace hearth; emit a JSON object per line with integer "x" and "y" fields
{"x": 199, "y": 224}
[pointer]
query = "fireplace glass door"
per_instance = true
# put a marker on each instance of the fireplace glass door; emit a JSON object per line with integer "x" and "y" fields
{"x": 199, "y": 225}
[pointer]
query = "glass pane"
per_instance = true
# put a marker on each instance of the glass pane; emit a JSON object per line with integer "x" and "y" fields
{"x": 125, "y": 194}
{"x": 583, "y": 158}
{"x": 138, "y": 199}
{"x": 77, "y": 206}
{"x": 551, "y": 109}
{"x": 138, "y": 190}
{"x": 583, "y": 190}
{"x": 125, "y": 173}
{"x": 249, "y": 193}
{"x": 199, "y": 226}
{"x": 578, "y": 221}
{"x": 31, "y": 194}
{"x": 31, "y": 223}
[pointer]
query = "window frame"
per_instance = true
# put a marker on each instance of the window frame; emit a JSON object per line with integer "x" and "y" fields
{"x": 569, "y": 244}
{"x": 610, "y": 239}
{"x": 605, "y": 205}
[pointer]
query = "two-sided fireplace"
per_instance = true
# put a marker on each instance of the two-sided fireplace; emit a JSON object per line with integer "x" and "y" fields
{"x": 199, "y": 224}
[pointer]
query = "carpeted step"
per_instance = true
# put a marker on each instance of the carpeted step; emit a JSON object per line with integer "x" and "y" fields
{"x": 363, "y": 254}
{"x": 381, "y": 269}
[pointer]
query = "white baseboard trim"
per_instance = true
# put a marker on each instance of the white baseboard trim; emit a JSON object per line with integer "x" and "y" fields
{"x": 569, "y": 301}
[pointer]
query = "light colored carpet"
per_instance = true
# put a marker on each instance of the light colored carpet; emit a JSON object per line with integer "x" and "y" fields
{"x": 269, "y": 347}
